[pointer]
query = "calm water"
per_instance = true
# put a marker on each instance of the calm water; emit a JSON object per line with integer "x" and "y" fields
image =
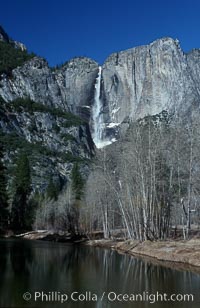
{"x": 55, "y": 269}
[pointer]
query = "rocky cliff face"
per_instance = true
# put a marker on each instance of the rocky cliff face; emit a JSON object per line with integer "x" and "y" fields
{"x": 69, "y": 88}
{"x": 45, "y": 112}
{"x": 134, "y": 83}
{"x": 193, "y": 60}
{"x": 148, "y": 79}
{"x": 53, "y": 140}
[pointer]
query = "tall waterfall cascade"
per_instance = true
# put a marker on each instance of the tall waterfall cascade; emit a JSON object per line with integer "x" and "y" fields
{"x": 97, "y": 116}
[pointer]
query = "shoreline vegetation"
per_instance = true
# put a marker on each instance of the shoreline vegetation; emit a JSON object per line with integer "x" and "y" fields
{"x": 177, "y": 254}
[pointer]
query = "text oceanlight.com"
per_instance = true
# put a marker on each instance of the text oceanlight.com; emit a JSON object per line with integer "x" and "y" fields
{"x": 106, "y": 296}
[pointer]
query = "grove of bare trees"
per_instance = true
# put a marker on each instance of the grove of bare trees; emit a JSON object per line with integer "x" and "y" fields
{"x": 148, "y": 183}
{"x": 146, "y": 186}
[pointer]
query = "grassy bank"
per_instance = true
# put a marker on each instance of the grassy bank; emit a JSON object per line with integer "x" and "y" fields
{"x": 179, "y": 254}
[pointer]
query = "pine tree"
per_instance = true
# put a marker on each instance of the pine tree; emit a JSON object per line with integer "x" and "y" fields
{"x": 52, "y": 190}
{"x": 4, "y": 214}
{"x": 77, "y": 182}
{"x": 77, "y": 191}
{"x": 22, "y": 186}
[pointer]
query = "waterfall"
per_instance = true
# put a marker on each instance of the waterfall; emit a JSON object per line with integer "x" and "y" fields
{"x": 98, "y": 121}
{"x": 97, "y": 117}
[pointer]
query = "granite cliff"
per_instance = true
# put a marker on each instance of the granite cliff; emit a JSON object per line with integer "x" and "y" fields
{"x": 53, "y": 108}
{"x": 147, "y": 80}
{"x": 45, "y": 112}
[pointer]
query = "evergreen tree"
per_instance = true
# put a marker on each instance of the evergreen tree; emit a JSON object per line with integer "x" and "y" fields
{"x": 4, "y": 215}
{"x": 12, "y": 57}
{"x": 52, "y": 190}
{"x": 22, "y": 187}
{"x": 77, "y": 191}
{"x": 77, "y": 182}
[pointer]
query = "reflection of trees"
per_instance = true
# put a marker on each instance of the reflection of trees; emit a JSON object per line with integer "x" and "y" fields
{"x": 3, "y": 263}
{"x": 127, "y": 274}
{"x": 73, "y": 258}
{"x": 15, "y": 259}
{"x": 49, "y": 267}
{"x": 21, "y": 257}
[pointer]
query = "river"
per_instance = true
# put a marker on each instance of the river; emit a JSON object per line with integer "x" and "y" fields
{"x": 80, "y": 276}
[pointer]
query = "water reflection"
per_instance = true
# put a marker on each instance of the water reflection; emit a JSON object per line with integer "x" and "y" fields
{"x": 52, "y": 267}
{"x": 21, "y": 257}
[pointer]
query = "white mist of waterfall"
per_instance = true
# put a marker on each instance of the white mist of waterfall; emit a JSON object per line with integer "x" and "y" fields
{"x": 98, "y": 121}
{"x": 97, "y": 133}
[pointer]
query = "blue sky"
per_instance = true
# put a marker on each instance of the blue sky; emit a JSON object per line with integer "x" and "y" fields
{"x": 61, "y": 29}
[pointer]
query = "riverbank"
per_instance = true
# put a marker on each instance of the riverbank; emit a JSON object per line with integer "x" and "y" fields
{"x": 48, "y": 235}
{"x": 179, "y": 254}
